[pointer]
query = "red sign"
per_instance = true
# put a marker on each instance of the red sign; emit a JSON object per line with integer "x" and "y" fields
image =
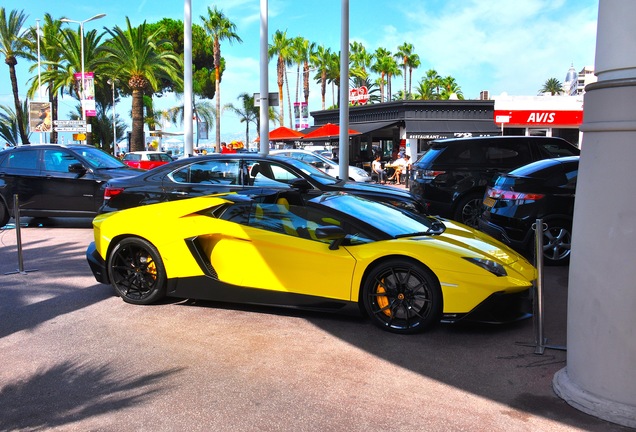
{"x": 359, "y": 95}
{"x": 540, "y": 117}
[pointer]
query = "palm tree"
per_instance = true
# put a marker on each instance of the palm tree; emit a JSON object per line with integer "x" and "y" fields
{"x": 382, "y": 65}
{"x": 220, "y": 28}
{"x": 14, "y": 43}
{"x": 333, "y": 77}
{"x": 9, "y": 124}
{"x": 552, "y": 86}
{"x": 360, "y": 60}
{"x": 281, "y": 47}
{"x": 202, "y": 110}
{"x": 247, "y": 113}
{"x": 51, "y": 56}
{"x": 449, "y": 88}
{"x": 433, "y": 82}
{"x": 392, "y": 70}
{"x": 408, "y": 60}
{"x": 425, "y": 89}
{"x": 320, "y": 61}
{"x": 132, "y": 56}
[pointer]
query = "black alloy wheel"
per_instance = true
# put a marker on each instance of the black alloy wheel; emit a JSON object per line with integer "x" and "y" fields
{"x": 136, "y": 271}
{"x": 402, "y": 296}
{"x": 468, "y": 210}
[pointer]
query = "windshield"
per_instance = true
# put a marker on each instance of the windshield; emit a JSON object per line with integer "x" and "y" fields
{"x": 98, "y": 159}
{"x": 312, "y": 171}
{"x": 386, "y": 218}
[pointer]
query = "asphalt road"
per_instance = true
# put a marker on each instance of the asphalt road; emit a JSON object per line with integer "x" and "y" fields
{"x": 73, "y": 357}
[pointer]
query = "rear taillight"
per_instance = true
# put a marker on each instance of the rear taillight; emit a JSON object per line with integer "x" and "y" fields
{"x": 501, "y": 194}
{"x": 110, "y": 192}
{"x": 429, "y": 174}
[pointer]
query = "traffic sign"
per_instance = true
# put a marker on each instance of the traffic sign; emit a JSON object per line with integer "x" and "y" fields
{"x": 70, "y": 123}
{"x": 70, "y": 129}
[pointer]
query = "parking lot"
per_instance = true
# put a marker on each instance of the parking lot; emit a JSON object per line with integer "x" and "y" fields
{"x": 75, "y": 357}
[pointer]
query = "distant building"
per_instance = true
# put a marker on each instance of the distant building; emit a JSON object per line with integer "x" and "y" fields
{"x": 575, "y": 82}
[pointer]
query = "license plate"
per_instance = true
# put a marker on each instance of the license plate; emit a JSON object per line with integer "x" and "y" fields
{"x": 489, "y": 202}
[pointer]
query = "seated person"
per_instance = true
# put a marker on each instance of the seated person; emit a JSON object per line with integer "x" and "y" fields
{"x": 376, "y": 167}
{"x": 400, "y": 165}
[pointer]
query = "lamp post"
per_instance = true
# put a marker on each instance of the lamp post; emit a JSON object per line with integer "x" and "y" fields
{"x": 81, "y": 23}
{"x": 112, "y": 82}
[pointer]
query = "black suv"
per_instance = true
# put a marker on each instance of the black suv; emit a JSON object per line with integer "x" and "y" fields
{"x": 53, "y": 180}
{"x": 452, "y": 176}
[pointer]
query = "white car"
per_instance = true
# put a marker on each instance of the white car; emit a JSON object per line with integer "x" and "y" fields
{"x": 324, "y": 164}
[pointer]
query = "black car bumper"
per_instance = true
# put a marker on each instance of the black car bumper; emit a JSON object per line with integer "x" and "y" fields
{"x": 504, "y": 235}
{"x": 499, "y": 308}
{"x": 97, "y": 264}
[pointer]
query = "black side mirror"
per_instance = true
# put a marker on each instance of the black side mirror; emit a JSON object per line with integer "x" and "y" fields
{"x": 77, "y": 168}
{"x": 333, "y": 233}
{"x": 301, "y": 184}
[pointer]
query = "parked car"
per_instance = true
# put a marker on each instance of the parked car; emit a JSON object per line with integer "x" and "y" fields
{"x": 146, "y": 159}
{"x": 334, "y": 252}
{"x": 53, "y": 180}
{"x": 451, "y": 177}
{"x": 238, "y": 172}
{"x": 324, "y": 164}
{"x": 540, "y": 190}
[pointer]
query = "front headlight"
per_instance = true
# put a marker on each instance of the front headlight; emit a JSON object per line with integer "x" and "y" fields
{"x": 488, "y": 265}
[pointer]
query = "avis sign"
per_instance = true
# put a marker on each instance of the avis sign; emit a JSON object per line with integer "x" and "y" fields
{"x": 359, "y": 95}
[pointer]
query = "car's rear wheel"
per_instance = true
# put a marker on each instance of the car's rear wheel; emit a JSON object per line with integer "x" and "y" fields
{"x": 402, "y": 296}
{"x": 557, "y": 243}
{"x": 136, "y": 271}
{"x": 4, "y": 214}
{"x": 469, "y": 209}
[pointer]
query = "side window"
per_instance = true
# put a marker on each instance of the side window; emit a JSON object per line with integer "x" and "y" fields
{"x": 27, "y": 159}
{"x": 266, "y": 174}
{"x": 558, "y": 149}
{"x": 564, "y": 180}
{"x": 59, "y": 160}
{"x": 223, "y": 171}
{"x": 507, "y": 155}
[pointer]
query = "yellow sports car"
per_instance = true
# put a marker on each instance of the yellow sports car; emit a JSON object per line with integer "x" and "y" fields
{"x": 405, "y": 271}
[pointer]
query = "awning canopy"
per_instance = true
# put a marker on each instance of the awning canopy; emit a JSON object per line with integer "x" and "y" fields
{"x": 367, "y": 127}
{"x": 434, "y": 129}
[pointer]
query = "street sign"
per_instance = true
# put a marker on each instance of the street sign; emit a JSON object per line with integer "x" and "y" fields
{"x": 272, "y": 99}
{"x": 70, "y": 129}
{"x": 69, "y": 123}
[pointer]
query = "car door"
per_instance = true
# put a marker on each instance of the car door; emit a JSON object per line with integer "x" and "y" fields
{"x": 68, "y": 184}
{"x": 269, "y": 253}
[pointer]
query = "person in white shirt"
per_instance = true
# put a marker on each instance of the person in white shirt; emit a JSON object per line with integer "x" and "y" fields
{"x": 376, "y": 166}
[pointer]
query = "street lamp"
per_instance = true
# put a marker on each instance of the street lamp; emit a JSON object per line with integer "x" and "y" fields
{"x": 81, "y": 23}
{"x": 112, "y": 82}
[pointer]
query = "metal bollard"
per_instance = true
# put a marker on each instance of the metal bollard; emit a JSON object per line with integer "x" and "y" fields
{"x": 18, "y": 234}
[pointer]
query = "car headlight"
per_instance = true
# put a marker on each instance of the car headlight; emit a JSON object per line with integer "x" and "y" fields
{"x": 488, "y": 265}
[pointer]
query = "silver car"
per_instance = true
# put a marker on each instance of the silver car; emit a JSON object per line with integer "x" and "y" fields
{"x": 324, "y": 164}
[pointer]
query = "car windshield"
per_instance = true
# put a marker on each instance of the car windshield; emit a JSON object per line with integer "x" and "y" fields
{"x": 312, "y": 171}
{"x": 99, "y": 159}
{"x": 386, "y": 218}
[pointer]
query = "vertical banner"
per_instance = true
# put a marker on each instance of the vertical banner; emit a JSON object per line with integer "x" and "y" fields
{"x": 40, "y": 117}
{"x": 296, "y": 115}
{"x": 304, "y": 115}
{"x": 87, "y": 96}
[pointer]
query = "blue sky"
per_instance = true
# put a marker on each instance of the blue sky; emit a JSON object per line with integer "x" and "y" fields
{"x": 495, "y": 45}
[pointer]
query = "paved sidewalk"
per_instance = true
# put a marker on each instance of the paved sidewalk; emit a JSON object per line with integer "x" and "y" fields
{"x": 76, "y": 358}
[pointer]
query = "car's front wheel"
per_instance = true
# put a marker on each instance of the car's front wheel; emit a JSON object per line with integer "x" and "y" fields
{"x": 136, "y": 271}
{"x": 402, "y": 296}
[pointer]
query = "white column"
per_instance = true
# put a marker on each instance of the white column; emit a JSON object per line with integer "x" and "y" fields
{"x": 600, "y": 375}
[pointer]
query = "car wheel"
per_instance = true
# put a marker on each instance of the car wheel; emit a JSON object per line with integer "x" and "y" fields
{"x": 4, "y": 214}
{"x": 469, "y": 209}
{"x": 136, "y": 271}
{"x": 402, "y": 297}
{"x": 557, "y": 243}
